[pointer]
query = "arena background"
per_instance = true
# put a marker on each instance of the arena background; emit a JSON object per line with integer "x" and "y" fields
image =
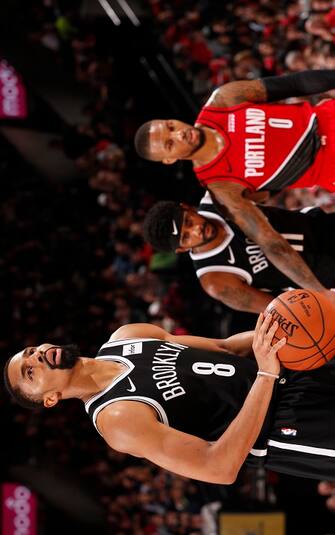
{"x": 77, "y": 78}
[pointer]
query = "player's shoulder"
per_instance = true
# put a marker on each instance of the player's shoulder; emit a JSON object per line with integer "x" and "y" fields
{"x": 130, "y": 330}
{"x": 139, "y": 331}
{"x": 120, "y": 423}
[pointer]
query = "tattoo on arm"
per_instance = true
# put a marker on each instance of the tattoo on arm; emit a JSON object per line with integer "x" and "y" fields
{"x": 237, "y": 92}
{"x": 255, "y": 225}
{"x": 279, "y": 251}
{"x": 298, "y": 270}
{"x": 244, "y": 298}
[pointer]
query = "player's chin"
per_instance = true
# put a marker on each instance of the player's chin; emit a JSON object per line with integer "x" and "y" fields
{"x": 192, "y": 149}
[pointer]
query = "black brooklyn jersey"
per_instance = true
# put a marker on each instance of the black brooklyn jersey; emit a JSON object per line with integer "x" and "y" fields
{"x": 196, "y": 391}
{"x": 201, "y": 392}
{"x": 309, "y": 232}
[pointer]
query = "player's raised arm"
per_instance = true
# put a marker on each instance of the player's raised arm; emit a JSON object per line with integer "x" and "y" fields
{"x": 256, "y": 226}
{"x": 273, "y": 88}
{"x": 238, "y": 344}
{"x": 136, "y": 431}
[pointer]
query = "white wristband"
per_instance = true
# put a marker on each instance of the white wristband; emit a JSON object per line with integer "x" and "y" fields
{"x": 268, "y": 374}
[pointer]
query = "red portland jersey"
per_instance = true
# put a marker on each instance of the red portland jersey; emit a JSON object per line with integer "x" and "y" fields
{"x": 267, "y": 146}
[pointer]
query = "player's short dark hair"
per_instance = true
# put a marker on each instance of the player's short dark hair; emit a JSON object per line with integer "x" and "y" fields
{"x": 141, "y": 141}
{"x": 20, "y": 398}
{"x": 157, "y": 226}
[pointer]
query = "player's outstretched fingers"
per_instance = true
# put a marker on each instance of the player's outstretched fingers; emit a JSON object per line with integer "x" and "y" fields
{"x": 263, "y": 337}
{"x": 264, "y": 326}
{"x": 278, "y": 345}
{"x": 257, "y": 338}
{"x": 259, "y": 322}
{"x": 268, "y": 337}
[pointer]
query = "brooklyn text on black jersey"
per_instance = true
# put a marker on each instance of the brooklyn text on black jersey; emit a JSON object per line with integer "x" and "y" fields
{"x": 200, "y": 392}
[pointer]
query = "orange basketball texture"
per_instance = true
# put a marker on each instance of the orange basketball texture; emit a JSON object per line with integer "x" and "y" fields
{"x": 307, "y": 319}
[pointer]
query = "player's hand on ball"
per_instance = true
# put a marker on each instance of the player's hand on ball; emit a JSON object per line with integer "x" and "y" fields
{"x": 265, "y": 352}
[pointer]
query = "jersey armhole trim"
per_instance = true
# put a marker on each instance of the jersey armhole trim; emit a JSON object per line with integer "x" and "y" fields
{"x": 241, "y": 273}
{"x": 112, "y": 343}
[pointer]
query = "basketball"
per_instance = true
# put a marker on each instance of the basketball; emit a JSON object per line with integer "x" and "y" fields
{"x": 307, "y": 319}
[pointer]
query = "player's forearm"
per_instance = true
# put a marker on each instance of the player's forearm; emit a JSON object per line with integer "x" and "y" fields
{"x": 255, "y": 225}
{"x": 198, "y": 342}
{"x": 236, "y": 442}
{"x": 244, "y": 298}
{"x": 298, "y": 84}
{"x": 239, "y": 344}
{"x": 278, "y": 250}
{"x": 289, "y": 262}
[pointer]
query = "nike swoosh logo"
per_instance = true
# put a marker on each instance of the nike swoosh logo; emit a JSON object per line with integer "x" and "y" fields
{"x": 132, "y": 386}
{"x": 231, "y": 259}
{"x": 175, "y": 229}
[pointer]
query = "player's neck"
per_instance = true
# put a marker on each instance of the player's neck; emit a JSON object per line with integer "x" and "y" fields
{"x": 214, "y": 143}
{"x": 91, "y": 376}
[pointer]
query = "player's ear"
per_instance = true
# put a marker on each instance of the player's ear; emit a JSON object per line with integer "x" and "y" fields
{"x": 51, "y": 399}
{"x": 169, "y": 161}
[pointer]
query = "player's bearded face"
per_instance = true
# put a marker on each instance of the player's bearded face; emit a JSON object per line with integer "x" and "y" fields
{"x": 209, "y": 233}
{"x": 199, "y": 139}
{"x": 68, "y": 358}
{"x": 174, "y": 140}
{"x": 188, "y": 140}
{"x": 196, "y": 230}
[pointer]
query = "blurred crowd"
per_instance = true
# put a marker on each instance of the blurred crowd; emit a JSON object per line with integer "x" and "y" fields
{"x": 74, "y": 266}
{"x": 70, "y": 271}
{"x": 214, "y": 44}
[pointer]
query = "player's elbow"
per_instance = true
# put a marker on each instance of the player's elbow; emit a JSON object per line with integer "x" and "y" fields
{"x": 221, "y": 293}
{"x": 221, "y": 469}
{"x": 229, "y": 478}
{"x": 222, "y": 476}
